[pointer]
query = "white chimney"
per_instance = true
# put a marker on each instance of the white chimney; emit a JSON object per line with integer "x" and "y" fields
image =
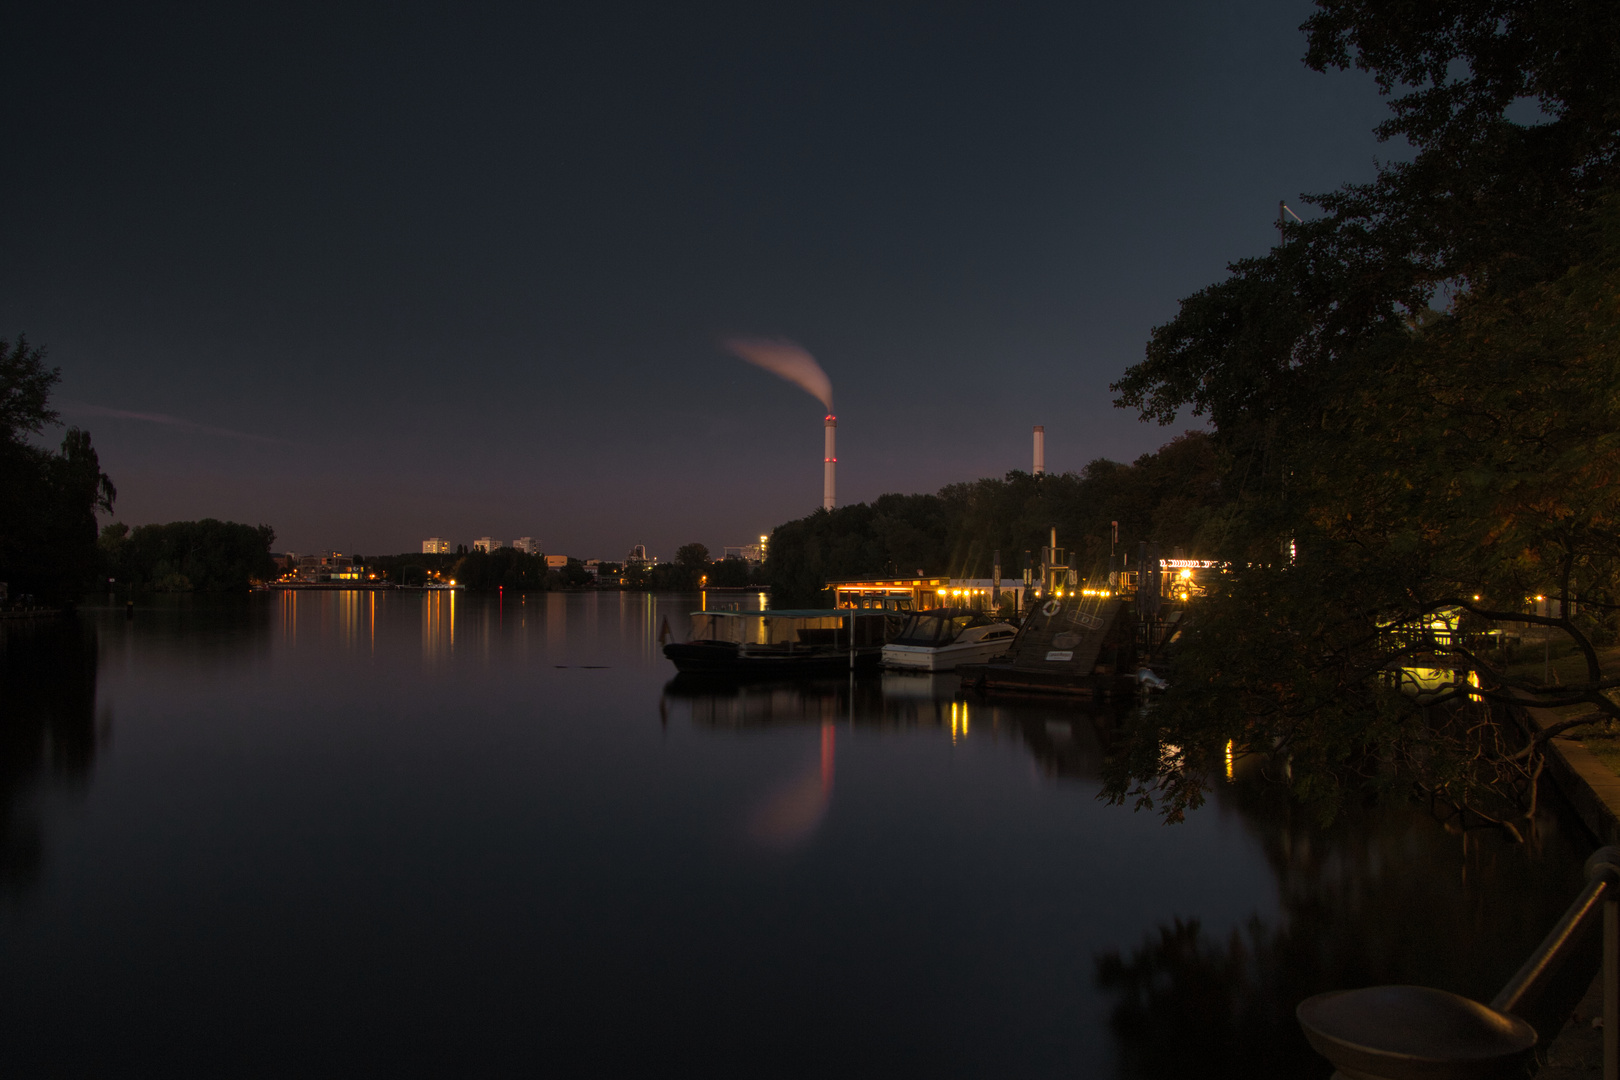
{"x": 829, "y": 498}
{"x": 1040, "y": 449}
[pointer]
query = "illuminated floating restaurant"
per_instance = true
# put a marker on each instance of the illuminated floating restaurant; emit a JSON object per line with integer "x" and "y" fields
{"x": 924, "y": 593}
{"x": 1178, "y": 580}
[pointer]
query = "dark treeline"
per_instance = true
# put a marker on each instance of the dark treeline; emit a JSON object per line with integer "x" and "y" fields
{"x": 411, "y": 568}
{"x": 502, "y": 568}
{"x": 48, "y": 499}
{"x": 693, "y": 569}
{"x": 1173, "y": 497}
{"x": 187, "y": 556}
{"x": 508, "y": 568}
{"x": 480, "y": 571}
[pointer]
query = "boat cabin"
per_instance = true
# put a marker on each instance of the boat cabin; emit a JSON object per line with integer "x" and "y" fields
{"x": 942, "y": 626}
{"x": 789, "y": 628}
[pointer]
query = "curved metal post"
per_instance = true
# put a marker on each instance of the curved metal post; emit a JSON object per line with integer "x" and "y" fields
{"x": 1413, "y": 1031}
{"x": 1548, "y": 984}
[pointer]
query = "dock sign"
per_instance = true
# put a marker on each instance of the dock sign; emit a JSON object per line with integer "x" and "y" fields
{"x": 1065, "y": 636}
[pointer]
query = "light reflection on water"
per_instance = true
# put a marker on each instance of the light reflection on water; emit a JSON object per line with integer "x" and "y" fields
{"x": 431, "y": 833}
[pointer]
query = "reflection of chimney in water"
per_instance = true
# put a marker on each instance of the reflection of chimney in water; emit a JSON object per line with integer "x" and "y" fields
{"x": 1040, "y": 449}
{"x": 829, "y": 498}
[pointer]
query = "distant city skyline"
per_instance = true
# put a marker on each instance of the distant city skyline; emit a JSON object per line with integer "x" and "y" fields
{"x": 473, "y": 273}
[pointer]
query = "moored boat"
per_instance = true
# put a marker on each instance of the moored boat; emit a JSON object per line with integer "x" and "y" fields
{"x": 747, "y": 644}
{"x": 1081, "y": 644}
{"x": 945, "y": 638}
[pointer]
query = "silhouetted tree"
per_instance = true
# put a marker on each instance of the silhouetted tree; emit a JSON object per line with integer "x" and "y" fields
{"x": 48, "y": 501}
{"x": 1390, "y": 462}
{"x": 207, "y": 555}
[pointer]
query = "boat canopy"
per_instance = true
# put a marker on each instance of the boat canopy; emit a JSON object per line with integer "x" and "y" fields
{"x": 938, "y": 627}
{"x": 776, "y": 627}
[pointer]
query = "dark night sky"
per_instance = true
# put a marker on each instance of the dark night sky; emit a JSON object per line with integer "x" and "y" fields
{"x": 463, "y": 269}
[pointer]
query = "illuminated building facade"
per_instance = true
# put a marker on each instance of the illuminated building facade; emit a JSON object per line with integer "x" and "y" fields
{"x": 486, "y": 544}
{"x": 435, "y": 545}
{"x": 332, "y": 569}
{"x": 754, "y": 553}
{"x": 923, "y": 593}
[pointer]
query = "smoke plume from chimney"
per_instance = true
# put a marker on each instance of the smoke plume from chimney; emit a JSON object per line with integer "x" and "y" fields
{"x": 798, "y": 367}
{"x": 787, "y": 360}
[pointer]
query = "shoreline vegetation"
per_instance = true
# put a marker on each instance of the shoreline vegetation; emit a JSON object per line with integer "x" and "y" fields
{"x": 1412, "y": 395}
{"x": 1173, "y": 497}
{"x": 48, "y": 498}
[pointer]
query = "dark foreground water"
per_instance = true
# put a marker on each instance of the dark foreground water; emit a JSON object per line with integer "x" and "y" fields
{"x": 403, "y": 835}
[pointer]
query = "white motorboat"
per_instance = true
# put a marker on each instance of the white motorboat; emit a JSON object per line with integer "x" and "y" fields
{"x": 945, "y": 638}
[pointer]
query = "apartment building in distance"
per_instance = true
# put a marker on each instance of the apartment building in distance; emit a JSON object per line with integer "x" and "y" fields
{"x": 486, "y": 544}
{"x": 435, "y": 545}
{"x": 527, "y": 544}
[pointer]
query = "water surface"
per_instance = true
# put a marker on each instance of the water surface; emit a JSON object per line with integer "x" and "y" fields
{"x": 350, "y": 834}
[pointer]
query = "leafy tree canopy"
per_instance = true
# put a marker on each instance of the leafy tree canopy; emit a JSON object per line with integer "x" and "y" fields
{"x": 182, "y": 556}
{"x": 48, "y": 501}
{"x": 1429, "y": 472}
{"x": 692, "y": 557}
{"x": 1172, "y": 497}
{"x": 25, "y": 390}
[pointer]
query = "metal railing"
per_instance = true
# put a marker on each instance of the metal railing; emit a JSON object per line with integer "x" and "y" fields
{"x": 1401, "y": 1032}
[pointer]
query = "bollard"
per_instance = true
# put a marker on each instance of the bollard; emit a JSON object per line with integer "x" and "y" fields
{"x": 1407, "y": 1032}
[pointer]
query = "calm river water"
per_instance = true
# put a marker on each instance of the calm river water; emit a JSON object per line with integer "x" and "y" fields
{"x": 346, "y": 834}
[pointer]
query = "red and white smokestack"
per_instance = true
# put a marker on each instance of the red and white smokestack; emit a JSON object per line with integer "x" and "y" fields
{"x": 1040, "y": 449}
{"x": 829, "y": 497}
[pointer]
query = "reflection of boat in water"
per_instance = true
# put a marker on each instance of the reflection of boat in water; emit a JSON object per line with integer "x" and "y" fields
{"x": 1066, "y": 740}
{"x": 943, "y": 639}
{"x": 768, "y": 644}
{"x": 918, "y": 685}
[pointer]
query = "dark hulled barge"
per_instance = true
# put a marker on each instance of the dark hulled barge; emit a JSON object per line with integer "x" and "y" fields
{"x": 772, "y": 644}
